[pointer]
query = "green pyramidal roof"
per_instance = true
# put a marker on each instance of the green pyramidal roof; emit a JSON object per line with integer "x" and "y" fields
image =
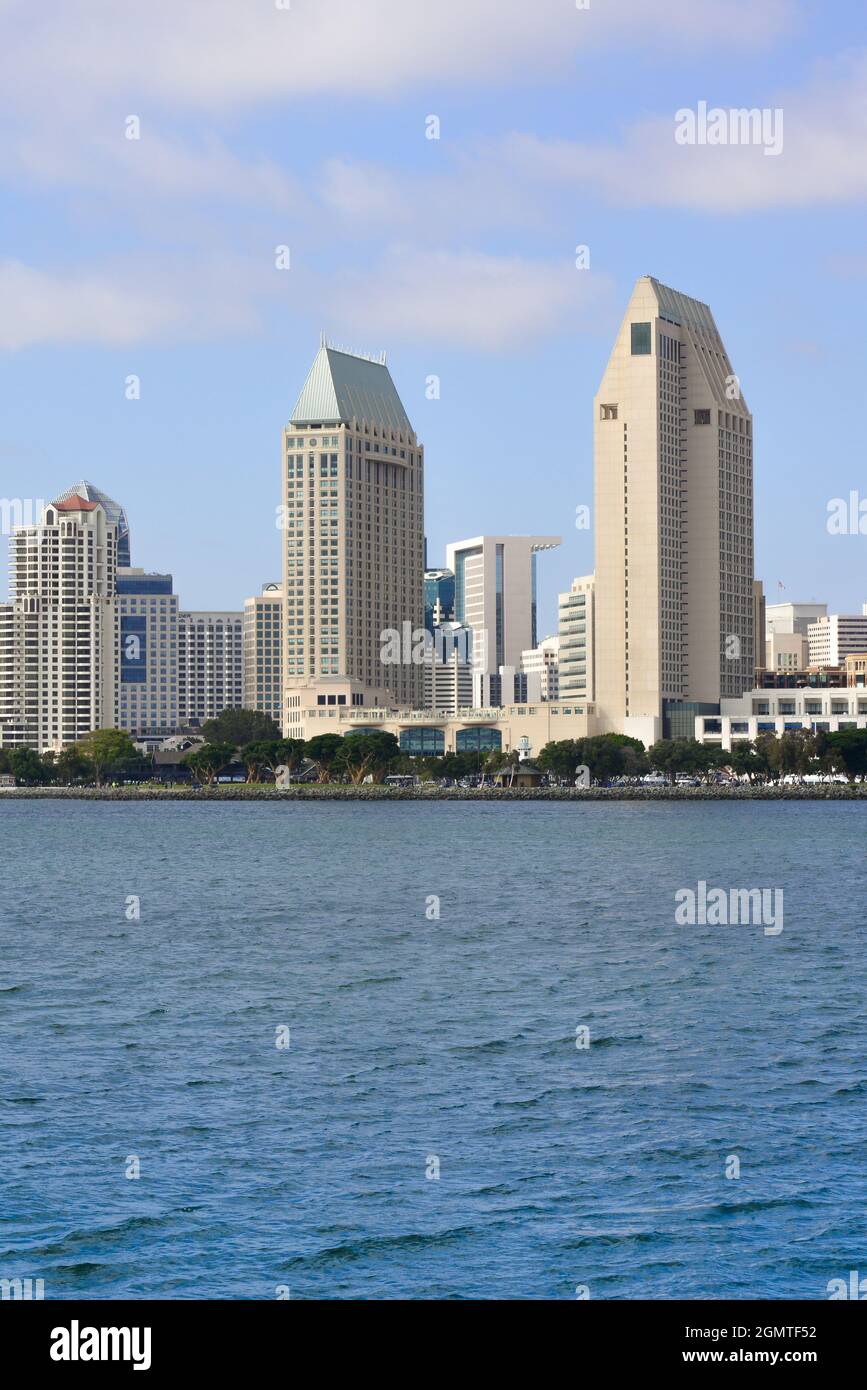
{"x": 341, "y": 387}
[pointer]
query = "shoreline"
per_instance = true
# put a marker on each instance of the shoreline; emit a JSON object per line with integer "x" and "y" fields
{"x": 240, "y": 792}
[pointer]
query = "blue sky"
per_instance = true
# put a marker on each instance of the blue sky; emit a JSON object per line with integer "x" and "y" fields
{"x": 305, "y": 126}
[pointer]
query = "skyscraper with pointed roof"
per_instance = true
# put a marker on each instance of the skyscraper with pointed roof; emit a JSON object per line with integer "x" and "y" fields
{"x": 353, "y": 527}
{"x": 674, "y": 518}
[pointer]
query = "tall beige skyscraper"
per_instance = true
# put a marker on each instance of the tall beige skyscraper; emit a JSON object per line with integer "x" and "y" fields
{"x": 674, "y": 518}
{"x": 263, "y": 651}
{"x": 353, "y": 528}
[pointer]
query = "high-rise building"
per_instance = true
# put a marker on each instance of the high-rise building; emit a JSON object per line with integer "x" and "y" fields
{"x": 113, "y": 510}
{"x": 59, "y": 654}
{"x": 495, "y": 594}
{"x": 674, "y": 517}
{"x": 576, "y": 626}
{"x": 439, "y": 598}
{"x": 353, "y": 519}
{"x": 148, "y": 688}
{"x": 448, "y": 671}
{"x": 759, "y": 622}
{"x": 833, "y": 637}
{"x": 263, "y": 651}
{"x": 210, "y": 665}
{"x": 541, "y": 666}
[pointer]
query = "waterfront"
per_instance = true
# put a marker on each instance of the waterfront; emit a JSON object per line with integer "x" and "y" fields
{"x": 415, "y": 1038}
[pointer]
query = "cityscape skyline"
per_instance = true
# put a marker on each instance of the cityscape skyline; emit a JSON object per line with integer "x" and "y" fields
{"x": 458, "y": 253}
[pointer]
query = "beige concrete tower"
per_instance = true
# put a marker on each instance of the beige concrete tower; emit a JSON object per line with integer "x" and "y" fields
{"x": 353, "y": 529}
{"x": 674, "y": 517}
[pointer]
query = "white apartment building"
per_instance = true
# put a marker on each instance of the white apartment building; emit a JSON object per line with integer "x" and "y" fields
{"x": 674, "y": 517}
{"x": 263, "y": 652}
{"x": 776, "y": 711}
{"x": 495, "y": 594}
{"x": 448, "y": 670}
{"x": 59, "y": 656}
{"x": 541, "y": 666}
{"x": 576, "y": 625}
{"x": 353, "y": 527}
{"x": 833, "y": 637}
{"x": 210, "y": 665}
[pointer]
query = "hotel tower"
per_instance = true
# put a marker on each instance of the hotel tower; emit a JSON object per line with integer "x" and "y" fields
{"x": 674, "y": 520}
{"x": 353, "y": 528}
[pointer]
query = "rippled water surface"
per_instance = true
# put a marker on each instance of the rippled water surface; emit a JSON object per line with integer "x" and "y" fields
{"x": 414, "y": 1041}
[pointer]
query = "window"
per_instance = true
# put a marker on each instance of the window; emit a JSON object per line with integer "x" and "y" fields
{"x": 701, "y": 417}
{"x": 640, "y": 339}
{"x": 608, "y": 412}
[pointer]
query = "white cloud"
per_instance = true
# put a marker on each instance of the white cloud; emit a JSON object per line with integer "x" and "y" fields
{"x": 215, "y": 54}
{"x": 120, "y": 306}
{"x": 463, "y": 298}
{"x": 823, "y": 159}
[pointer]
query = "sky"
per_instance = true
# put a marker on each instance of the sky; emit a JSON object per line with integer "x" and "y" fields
{"x": 154, "y": 158}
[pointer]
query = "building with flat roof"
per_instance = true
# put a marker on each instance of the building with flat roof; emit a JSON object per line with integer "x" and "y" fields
{"x": 792, "y": 617}
{"x": 832, "y": 637}
{"x": 263, "y": 652}
{"x": 148, "y": 688}
{"x": 337, "y": 705}
{"x": 495, "y": 594}
{"x": 576, "y": 623}
{"x": 210, "y": 665}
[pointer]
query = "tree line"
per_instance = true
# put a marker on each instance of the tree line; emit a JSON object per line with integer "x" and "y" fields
{"x": 252, "y": 741}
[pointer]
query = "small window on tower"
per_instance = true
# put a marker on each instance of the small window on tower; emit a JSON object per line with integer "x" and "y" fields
{"x": 701, "y": 417}
{"x": 608, "y": 412}
{"x": 640, "y": 339}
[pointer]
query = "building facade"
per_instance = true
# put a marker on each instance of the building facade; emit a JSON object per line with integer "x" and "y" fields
{"x": 576, "y": 626}
{"x": 59, "y": 652}
{"x": 148, "y": 688}
{"x": 263, "y": 652}
{"x": 210, "y": 665}
{"x": 674, "y": 516}
{"x": 792, "y": 617}
{"x": 774, "y": 710}
{"x": 439, "y": 598}
{"x": 495, "y": 594}
{"x": 339, "y": 706}
{"x": 541, "y": 667}
{"x": 832, "y": 637}
{"x": 353, "y": 527}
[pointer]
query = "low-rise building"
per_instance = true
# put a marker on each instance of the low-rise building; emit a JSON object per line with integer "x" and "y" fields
{"x": 777, "y": 710}
{"x": 338, "y": 705}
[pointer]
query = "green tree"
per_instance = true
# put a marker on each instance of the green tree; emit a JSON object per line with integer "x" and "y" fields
{"x": 367, "y": 754}
{"x": 105, "y": 749}
{"x": 73, "y": 766}
{"x": 768, "y": 749}
{"x": 206, "y": 763}
{"x": 561, "y": 757}
{"x": 323, "y": 750}
{"x": 745, "y": 760}
{"x": 846, "y": 751}
{"x": 240, "y": 727}
{"x": 27, "y": 767}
